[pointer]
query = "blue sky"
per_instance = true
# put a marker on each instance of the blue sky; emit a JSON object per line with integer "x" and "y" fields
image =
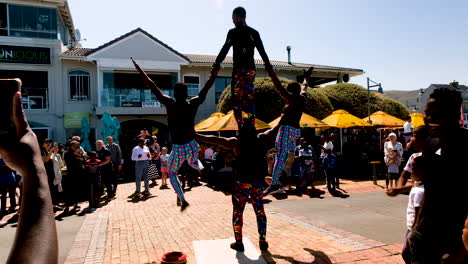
{"x": 403, "y": 44}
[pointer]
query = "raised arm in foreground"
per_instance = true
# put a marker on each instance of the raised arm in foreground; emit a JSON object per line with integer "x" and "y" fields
{"x": 164, "y": 99}
{"x": 36, "y": 235}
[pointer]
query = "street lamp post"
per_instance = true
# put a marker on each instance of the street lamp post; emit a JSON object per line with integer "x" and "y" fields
{"x": 375, "y": 84}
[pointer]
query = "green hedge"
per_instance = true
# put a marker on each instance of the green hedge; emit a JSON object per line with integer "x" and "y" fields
{"x": 321, "y": 101}
{"x": 269, "y": 103}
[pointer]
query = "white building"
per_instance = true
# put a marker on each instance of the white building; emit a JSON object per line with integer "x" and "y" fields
{"x": 63, "y": 83}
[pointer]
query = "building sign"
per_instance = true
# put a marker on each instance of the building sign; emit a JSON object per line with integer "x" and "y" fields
{"x": 73, "y": 120}
{"x": 28, "y": 55}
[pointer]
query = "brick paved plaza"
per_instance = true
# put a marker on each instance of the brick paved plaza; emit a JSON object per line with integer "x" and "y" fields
{"x": 126, "y": 231}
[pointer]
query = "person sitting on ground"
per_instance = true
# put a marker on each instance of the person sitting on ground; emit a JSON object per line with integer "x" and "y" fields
{"x": 290, "y": 129}
{"x": 250, "y": 169}
{"x": 93, "y": 171}
{"x": 181, "y": 121}
{"x": 20, "y": 151}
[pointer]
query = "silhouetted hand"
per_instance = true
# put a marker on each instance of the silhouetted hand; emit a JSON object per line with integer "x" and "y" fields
{"x": 21, "y": 150}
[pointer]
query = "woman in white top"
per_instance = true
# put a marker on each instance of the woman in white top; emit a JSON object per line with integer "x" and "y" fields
{"x": 392, "y": 143}
{"x": 58, "y": 165}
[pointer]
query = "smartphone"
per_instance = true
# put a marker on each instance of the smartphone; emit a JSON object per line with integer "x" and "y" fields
{"x": 8, "y": 87}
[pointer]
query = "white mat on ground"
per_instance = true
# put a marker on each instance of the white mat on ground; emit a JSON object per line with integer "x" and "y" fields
{"x": 218, "y": 251}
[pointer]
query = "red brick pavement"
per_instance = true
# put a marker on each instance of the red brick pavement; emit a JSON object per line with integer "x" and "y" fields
{"x": 129, "y": 232}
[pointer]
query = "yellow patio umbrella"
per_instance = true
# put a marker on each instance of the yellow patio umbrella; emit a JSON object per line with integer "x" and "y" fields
{"x": 209, "y": 121}
{"x": 417, "y": 120}
{"x": 228, "y": 122}
{"x": 343, "y": 119}
{"x": 306, "y": 121}
{"x": 381, "y": 118}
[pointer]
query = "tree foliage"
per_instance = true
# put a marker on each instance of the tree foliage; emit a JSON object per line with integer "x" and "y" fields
{"x": 355, "y": 99}
{"x": 269, "y": 103}
{"x": 320, "y": 103}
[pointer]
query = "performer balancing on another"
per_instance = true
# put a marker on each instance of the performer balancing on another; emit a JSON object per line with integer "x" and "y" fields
{"x": 249, "y": 169}
{"x": 243, "y": 39}
{"x": 181, "y": 114}
{"x": 290, "y": 129}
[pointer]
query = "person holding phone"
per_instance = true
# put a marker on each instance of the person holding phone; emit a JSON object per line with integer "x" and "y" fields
{"x": 20, "y": 151}
{"x": 47, "y": 153}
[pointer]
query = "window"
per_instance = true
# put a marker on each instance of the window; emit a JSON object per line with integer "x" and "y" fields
{"x": 79, "y": 85}
{"x": 34, "y": 90}
{"x": 126, "y": 89}
{"x": 34, "y": 22}
{"x": 3, "y": 20}
{"x": 193, "y": 84}
{"x": 220, "y": 84}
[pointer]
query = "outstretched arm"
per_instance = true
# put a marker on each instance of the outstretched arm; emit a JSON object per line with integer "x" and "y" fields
{"x": 262, "y": 52}
{"x": 36, "y": 235}
{"x": 202, "y": 94}
{"x": 228, "y": 143}
{"x": 164, "y": 99}
{"x": 270, "y": 133}
{"x": 284, "y": 93}
{"x": 224, "y": 50}
{"x": 305, "y": 83}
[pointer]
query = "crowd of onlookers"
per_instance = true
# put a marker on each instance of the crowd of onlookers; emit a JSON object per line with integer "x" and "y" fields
{"x": 307, "y": 162}
{"x": 73, "y": 174}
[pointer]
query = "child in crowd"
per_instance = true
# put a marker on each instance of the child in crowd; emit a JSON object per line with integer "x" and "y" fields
{"x": 393, "y": 168}
{"x": 92, "y": 166}
{"x": 414, "y": 203}
{"x": 163, "y": 158}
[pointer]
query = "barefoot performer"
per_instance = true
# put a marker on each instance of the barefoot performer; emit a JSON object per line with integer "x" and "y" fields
{"x": 249, "y": 169}
{"x": 180, "y": 118}
{"x": 244, "y": 40}
{"x": 290, "y": 129}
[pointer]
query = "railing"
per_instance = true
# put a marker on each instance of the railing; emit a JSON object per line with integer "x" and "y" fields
{"x": 130, "y": 97}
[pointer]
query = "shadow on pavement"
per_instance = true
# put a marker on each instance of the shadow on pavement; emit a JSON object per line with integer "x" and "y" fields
{"x": 243, "y": 259}
{"x": 141, "y": 199}
{"x": 270, "y": 259}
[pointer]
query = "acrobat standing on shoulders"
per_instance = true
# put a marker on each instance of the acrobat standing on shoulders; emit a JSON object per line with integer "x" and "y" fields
{"x": 244, "y": 40}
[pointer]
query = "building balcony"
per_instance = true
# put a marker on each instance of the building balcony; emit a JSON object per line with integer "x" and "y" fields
{"x": 130, "y": 101}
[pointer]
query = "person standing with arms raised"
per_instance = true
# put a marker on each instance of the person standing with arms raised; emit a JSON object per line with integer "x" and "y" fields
{"x": 244, "y": 40}
{"x": 290, "y": 130}
{"x": 181, "y": 121}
